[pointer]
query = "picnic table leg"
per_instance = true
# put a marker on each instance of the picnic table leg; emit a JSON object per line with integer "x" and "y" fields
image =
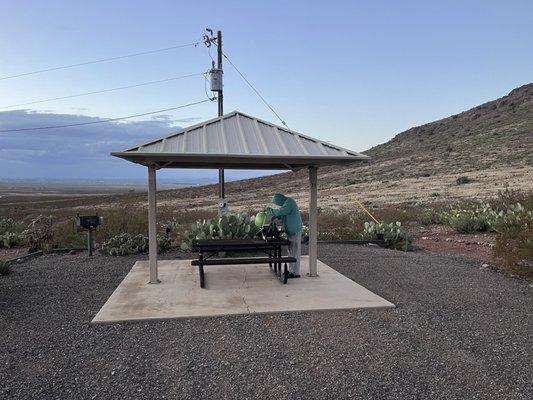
{"x": 202, "y": 278}
{"x": 279, "y": 263}
{"x": 201, "y": 270}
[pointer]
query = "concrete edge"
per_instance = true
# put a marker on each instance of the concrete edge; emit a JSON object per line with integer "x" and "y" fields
{"x": 314, "y": 310}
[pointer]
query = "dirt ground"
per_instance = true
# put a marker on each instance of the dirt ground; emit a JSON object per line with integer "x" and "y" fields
{"x": 458, "y": 332}
{"x": 440, "y": 239}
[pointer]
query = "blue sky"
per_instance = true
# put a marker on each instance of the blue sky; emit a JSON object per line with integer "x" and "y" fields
{"x": 351, "y": 72}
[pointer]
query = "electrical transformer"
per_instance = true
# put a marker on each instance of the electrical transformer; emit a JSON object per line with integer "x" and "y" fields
{"x": 216, "y": 79}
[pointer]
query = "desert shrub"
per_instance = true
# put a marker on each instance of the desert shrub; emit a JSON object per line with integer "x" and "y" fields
{"x": 127, "y": 243}
{"x": 337, "y": 225}
{"x": 64, "y": 235}
{"x": 395, "y": 236}
{"x": 339, "y": 233}
{"x": 227, "y": 226}
{"x": 514, "y": 244}
{"x": 508, "y": 197}
{"x": 124, "y": 244}
{"x": 163, "y": 243}
{"x": 124, "y": 219}
{"x": 470, "y": 217}
{"x": 173, "y": 228}
{"x": 38, "y": 234}
{"x": 6, "y": 225}
{"x": 11, "y": 239}
{"x": 430, "y": 216}
{"x": 462, "y": 180}
{"x": 391, "y": 214}
{"x": 11, "y": 233}
{"x": 4, "y": 268}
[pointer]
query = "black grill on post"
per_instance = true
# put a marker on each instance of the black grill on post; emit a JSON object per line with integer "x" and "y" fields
{"x": 88, "y": 223}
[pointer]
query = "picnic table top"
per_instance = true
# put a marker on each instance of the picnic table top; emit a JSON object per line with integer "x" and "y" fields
{"x": 239, "y": 243}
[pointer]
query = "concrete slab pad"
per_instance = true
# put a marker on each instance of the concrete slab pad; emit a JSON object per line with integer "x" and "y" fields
{"x": 238, "y": 289}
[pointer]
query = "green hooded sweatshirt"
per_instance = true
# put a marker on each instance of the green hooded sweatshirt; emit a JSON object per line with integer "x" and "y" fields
{"x": 289, "y": 213}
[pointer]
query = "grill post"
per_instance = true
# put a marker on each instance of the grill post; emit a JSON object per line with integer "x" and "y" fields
{"x": 90, "y": 241}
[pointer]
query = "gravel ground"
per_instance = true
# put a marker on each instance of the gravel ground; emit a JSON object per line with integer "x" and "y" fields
{"x": 459, "y": 331}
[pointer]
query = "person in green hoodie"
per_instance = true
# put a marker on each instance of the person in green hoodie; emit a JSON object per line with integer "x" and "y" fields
{"x": 289, "y": 213}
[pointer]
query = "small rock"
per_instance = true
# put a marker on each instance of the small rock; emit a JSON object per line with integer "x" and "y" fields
{"x": 484, "y": 265}
{"x": 448, "y": 239}
{"x": 424, "y": 238}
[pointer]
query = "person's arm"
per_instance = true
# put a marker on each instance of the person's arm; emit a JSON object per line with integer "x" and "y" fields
{"x": 285, "y": 209}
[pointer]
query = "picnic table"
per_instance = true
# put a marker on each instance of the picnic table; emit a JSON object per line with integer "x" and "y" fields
{"x": 208, "y": 249}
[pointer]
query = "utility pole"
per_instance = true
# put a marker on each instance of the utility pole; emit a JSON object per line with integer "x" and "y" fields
{"x": 217, "y": 86}
{"x": 222, "y": 207}
{"x": 219, "y": 67}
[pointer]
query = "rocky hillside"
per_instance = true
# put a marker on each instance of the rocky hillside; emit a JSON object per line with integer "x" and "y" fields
{"x": 491, "y": 144}
{"x": 495, "y": 134}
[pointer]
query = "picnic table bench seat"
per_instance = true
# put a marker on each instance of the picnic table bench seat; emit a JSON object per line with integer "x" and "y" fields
{"x": 208, "y": 248}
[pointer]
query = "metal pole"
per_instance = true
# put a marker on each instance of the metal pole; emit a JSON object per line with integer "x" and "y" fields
{"x": 219, "y": 66}
{"x": 221, "y": 194}
{"x": 313, "y": 220}
{"x": 221, "y": 183}
{"x": 152, "y": 224}
{"x": 90, "y": 241}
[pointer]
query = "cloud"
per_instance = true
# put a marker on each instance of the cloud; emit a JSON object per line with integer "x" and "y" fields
{"x": 80, "y": 151}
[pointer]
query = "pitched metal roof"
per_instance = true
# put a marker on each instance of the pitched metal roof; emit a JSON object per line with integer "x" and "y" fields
{"x": 237, "y": 140}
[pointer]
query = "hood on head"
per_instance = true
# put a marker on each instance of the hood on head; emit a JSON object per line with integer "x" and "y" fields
{"x": 278, "y": 199}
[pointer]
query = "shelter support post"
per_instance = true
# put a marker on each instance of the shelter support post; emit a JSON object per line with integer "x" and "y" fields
{"x": 152, "y": 224}
{"x": 313, "y": 220}
{"x": 222, "y": 203}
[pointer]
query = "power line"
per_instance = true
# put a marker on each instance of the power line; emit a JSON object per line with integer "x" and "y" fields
{"x": 104, "y": 120}
{"x": 102, "y": 91}
{"x": 255, "y": 90}
{"x": 101, "y": 60}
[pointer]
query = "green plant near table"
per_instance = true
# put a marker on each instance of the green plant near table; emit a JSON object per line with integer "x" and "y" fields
{"x": 126, "y": 243}
{"x": 394, "y": 235}
{"x": 226, "y": 226}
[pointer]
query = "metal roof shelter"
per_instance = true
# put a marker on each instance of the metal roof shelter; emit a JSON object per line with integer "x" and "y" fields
{"x": 237, "y": 141}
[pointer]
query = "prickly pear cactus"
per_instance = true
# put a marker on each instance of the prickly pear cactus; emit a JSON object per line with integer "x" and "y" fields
{"x": 226, "y": 226}
{"x": 395, "y": 236}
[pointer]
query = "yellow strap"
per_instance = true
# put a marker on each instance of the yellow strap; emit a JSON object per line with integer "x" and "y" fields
{"x": 363, "y": 207}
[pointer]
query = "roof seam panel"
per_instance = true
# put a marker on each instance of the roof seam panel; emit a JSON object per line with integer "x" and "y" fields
{"x": 280, "y": 140}
{"x": 222, "y": 132}
{"x": 241, "y": 133}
